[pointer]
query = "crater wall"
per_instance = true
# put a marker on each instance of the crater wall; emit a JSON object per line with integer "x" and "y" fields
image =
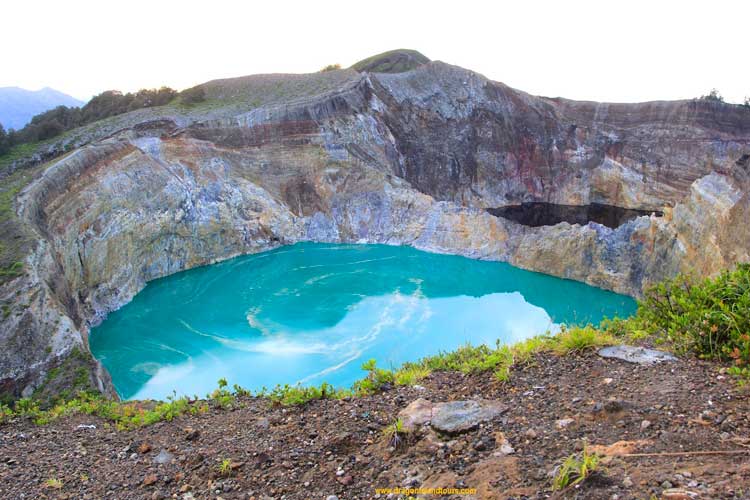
{"x": 408, "y": 159}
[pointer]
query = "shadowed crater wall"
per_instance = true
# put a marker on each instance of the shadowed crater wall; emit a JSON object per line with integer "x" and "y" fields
{"x": 537, "y": 214}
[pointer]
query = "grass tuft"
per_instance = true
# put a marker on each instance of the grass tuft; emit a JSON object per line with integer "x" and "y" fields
{"x": 581, "y": 338}
{"x": 396, "y": 434}
{"x": 575, "y": 469}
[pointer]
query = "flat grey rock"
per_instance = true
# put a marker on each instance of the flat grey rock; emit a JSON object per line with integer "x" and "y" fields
{"x": 456, "y": 417}
{"x": 164, "y": 457}
{"x": 453, "y": 417}
{"x": 633, "y": 354}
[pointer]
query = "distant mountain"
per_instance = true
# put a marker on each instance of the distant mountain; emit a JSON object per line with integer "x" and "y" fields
{"x": 18, "y": 105}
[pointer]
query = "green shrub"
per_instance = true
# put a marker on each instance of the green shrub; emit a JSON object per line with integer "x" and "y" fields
{"x": 710, "y": 318}
{"x": 330, "y": 67}
{"x": 410, "y": 374}
{"x": 375, "y": 380}
{"x": 288, "y": 395}
{"x": 193, "y": 95}
{"x": 713, "y": 95}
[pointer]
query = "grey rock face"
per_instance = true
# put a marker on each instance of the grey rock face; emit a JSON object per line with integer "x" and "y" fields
{"x": 634, "y": 354}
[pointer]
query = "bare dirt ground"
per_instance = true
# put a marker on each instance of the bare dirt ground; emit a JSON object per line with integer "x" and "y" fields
{"x": 659, "y": 416}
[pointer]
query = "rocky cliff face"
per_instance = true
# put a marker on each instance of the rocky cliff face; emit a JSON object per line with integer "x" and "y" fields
{"x": 411, "y": 158}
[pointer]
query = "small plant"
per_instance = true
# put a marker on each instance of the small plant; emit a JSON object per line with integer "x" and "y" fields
{"x": 396, "y": 433}
{"x": 53, "y": 483}
{"x": 225, "y": 467}
{"x": 241, "y": 391}
{"x": 221, "y": 396}
{"x": 376, "y": 379}
{"x": 575, "y": 469}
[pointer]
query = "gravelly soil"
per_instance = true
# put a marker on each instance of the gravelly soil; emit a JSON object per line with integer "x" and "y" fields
{"x": 337, "y": 447}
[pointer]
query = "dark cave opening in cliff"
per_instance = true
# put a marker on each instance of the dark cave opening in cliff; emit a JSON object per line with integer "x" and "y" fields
{"x": 535, "y": 214}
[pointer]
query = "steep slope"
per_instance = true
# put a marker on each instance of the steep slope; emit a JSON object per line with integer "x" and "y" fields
{"x": 18, "y": 106}
{"x": 412, "y": 158}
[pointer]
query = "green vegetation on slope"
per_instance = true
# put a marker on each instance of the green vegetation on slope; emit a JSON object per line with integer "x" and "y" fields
{"x": 710, "y": 317}
{"x": 393, "y": 61}
{"x": 15, "y": 238}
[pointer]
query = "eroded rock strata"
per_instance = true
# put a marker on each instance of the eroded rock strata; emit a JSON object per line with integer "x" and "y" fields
{"x": 412, "y": 158}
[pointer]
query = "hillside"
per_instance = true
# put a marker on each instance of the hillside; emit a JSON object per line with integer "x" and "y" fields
{"x": 18, "y": 106}
{"x": 672, "y": 431}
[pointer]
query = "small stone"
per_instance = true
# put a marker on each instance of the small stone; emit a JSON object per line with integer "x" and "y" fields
{"x": 608, "y": 381}
{"x": 164, "y": 457}
{"x": 563, "y": 422}
{"x": 263, "y": 423}
{"x": 340, "y": 472}
{"x": 645, "y": 425}
{"x": 345, "y": 480}
{"x": 332, "y": 497}
{"x": 614, "y": 406}
{"x": 627, "y": 482}
{"x": 144, "y": 448}
{"x": 677, "y": 494}
{"x": 666, "y": 485}
{"x": 506, "y": 449}
{"x": 150, "y": 479}
{"x": 191, "y": 434}
{"x": 530, "y": 433}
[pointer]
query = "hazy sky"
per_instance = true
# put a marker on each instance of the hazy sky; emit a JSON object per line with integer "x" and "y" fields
{"x": 600, "y": 50}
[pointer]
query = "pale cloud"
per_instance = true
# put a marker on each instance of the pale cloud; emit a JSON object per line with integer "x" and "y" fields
{"x": 599, "y": 50}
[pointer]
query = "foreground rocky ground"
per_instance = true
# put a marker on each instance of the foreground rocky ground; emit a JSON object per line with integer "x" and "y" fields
{"x": 673, "y": 430}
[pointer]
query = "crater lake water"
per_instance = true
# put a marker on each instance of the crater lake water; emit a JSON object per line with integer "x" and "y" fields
{"x": 310, "y": 313}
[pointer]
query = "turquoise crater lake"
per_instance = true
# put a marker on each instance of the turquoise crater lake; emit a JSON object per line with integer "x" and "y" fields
{"x": 310, "y": 313}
